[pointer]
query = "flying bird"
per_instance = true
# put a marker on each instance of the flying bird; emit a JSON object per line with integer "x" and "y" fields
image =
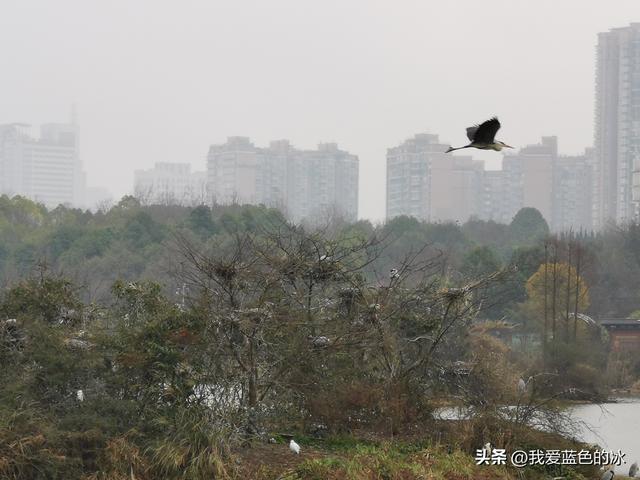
{"x": 483, "y": 137}
{"x": 393, "y": 273}
{"x": 294, "y": 447}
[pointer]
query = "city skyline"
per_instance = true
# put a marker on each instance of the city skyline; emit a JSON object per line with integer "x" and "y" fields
{"x": 160, "y": 87}
{"x": 460, "y": 187}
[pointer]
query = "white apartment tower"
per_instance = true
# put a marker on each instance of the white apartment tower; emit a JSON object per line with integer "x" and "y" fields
{"x": 307, "y": 185}
{"x": 170, "y": 184}
{"x": 617, "y": 126}
{"x": 45, "y": 169}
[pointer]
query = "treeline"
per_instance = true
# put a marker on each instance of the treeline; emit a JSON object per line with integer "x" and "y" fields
{"x": 154, "y": 342}
{"x": 134, "y": 242}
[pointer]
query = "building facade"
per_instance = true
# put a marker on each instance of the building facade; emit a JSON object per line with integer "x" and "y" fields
{"x": 529, "y": 179}
{"x": 558, "y": 186}
{"x": 170, "y": 183}
{"x": 617, "y": 127}
{"x": 307, "y": 185}
{"x": 428, "y": 184}
{"x": 45, "y": 169}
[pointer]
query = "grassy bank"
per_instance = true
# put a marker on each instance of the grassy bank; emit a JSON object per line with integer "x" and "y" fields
{"x": 353, "y": 458}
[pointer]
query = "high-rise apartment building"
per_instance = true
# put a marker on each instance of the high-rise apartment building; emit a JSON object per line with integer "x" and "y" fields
{"x": 572, "y": 193}
{"x": 170, "y": 183}
{"x": 494, "y": 202}
{"x": 426, "y": 183}
{"x": 558, "y": 186}
{"x": 45, "y": 169}
{"x": 529, "y": 178}
{"x": 617, "y": 126}
{"x": 307, "y": 185}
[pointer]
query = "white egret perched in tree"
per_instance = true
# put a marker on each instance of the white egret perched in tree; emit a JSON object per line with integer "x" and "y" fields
{"x": 483, "y": 137}
{"x": 294, "y": 447}
{"x": 80, "y": 395}
{"x": 522, "y": 385}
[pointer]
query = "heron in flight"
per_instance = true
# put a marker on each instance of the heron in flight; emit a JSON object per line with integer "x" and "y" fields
{"x": 483, "y": 137}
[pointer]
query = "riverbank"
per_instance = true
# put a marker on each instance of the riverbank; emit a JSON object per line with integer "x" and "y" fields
{"x": 355, "y": 460}
{"x": 365, "y": 457}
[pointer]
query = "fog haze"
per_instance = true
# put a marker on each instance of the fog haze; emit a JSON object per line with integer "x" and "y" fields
{"x": 161, "y": 81}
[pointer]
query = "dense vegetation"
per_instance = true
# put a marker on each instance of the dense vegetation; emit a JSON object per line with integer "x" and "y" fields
{"x": 163, "y": 341}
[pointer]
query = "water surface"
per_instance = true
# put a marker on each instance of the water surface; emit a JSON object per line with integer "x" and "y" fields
{"x": 615, "y": 426}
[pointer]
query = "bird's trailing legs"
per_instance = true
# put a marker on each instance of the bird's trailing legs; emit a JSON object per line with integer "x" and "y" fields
{"x": 451, "y": 149}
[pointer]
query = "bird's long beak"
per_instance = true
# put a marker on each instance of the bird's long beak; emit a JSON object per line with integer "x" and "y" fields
{"x": 508, "y": 146}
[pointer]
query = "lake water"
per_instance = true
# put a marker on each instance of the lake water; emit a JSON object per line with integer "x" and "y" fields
{"x": 613, "y": 426}
{"x": 616, "y": 426}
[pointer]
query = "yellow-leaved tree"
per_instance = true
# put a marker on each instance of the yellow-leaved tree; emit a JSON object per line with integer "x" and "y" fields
{"x": 557, "y": 294}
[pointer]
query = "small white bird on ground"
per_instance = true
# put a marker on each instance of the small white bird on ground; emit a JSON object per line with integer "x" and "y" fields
{"x": 487, "y": 448}
{"x": 80, "y": 395}
{"x": 294, "y": 447}
{"x": 320, "y": 341}
{"x": 633, "y": 470}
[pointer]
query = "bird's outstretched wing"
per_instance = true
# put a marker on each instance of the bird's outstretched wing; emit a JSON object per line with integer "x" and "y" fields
{"x": 485, "y": 132}
{"x": 471, "y": 132}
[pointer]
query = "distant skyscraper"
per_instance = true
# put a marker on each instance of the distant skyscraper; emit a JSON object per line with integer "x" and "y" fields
{"x": 308, "y": 185}
{"x": 45, "y": 169}
{"x": 170, "y": 183}
{"x": 426, "y": 183}
{"x": 617, "y": 125}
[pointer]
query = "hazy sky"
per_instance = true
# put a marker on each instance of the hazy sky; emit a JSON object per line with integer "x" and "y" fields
{"x": 162, "y": 80}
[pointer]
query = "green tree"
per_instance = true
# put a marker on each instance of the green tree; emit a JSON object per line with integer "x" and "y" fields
{"x": 479, "y": 262}
{"x": 201, "y": 221}
{"x": 527, "y": 227}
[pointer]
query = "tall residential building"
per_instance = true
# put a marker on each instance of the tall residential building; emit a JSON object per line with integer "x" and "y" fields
{"x": 426, "y": 183}
{"x": 170, "y": 183}
{"x": 494, "y": 204}
{"x": 560, "y": 187}
{"x": 307, "y": 185}
{"x": 617, "y": 126}
{"x": 45, "y": 169}
{"x": 529, "y": 178}
{"x": 572, "y": 193}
